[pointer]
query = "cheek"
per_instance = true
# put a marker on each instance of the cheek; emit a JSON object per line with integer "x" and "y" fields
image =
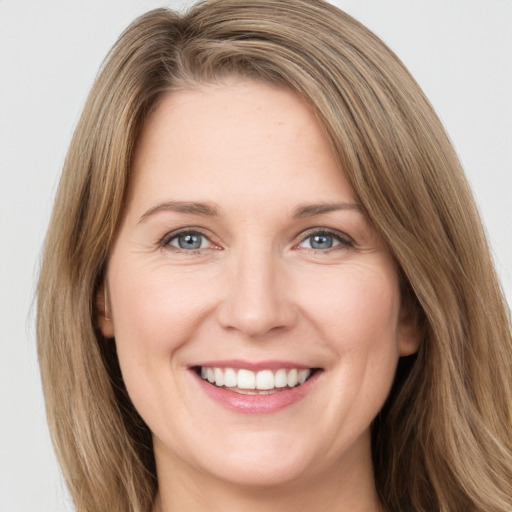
{"x": 156, "y": 310}
{"x": 359, "y": 318}
{"x": 369, "y": 336}
{"x": 357, "y": 309}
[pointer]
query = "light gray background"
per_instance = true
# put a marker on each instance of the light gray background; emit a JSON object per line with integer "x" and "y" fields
{"x": 460, "y": 51}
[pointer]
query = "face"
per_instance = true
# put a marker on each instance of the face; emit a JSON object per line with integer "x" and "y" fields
{"x": 256, "y": 313}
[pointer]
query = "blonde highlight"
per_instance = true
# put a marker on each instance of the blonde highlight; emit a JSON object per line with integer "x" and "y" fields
{"x": 444, "y": 439}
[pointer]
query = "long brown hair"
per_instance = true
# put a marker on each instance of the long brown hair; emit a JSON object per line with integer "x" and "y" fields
{"x": 443, "y": 441}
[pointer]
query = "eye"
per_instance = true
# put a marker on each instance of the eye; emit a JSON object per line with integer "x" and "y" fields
{"x": 324, "y": 240}
{"x": 187, "y": 241}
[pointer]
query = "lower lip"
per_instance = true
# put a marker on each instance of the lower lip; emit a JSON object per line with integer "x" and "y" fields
{"x": 257, "y": 404}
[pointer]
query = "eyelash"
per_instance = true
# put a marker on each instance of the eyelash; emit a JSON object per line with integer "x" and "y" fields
{"x": 344, "y": 240}
{"x": 165, "y": 242}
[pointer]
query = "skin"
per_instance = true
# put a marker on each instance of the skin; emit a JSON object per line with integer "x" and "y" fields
{"x": 256, "y": 290}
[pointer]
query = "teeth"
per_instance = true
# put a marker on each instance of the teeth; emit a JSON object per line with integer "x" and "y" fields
{"x": 264, "y": 380}
{"x": 303, "y": 375}
{"x": 230, "y": 379}
{"x": 280, "y": 379}
{"x": 293, "y": 378}
{"x": 219, "y": 377}
{"x": 246, "y": 379}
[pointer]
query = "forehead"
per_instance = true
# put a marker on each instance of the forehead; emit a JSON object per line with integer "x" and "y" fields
{"x": 242, "y": 138}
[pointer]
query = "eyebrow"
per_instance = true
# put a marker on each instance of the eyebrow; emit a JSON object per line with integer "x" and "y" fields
{"x": 209, "y": 210}
{"x": 189, "y": 207}
{"x": 309, "y": 210}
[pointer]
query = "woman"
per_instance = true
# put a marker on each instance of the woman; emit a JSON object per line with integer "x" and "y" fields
{"x": 265, "y": 283}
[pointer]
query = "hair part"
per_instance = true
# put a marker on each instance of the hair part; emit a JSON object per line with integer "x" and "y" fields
{"x": 443, "y": 441}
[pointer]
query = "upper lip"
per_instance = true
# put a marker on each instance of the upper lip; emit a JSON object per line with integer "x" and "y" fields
{"x": 252, "y": 365}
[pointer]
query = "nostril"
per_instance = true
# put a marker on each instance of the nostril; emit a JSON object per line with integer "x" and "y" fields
{"x": 257, "y": 321}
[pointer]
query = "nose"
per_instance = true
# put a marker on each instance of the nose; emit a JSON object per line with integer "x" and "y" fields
{"x": 257, "y": 301}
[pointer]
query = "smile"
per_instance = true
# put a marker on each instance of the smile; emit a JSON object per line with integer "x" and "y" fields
{"x": 256, "y": 388}
{"x": 245, "y": 381}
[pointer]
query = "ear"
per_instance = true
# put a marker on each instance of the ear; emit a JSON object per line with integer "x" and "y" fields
{"x": 409, "y": 331}
{"x": 104, "y": 315}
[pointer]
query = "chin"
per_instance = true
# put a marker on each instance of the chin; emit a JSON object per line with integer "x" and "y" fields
{"x": 261, "y": 474}
{"x": 264, "y": 460}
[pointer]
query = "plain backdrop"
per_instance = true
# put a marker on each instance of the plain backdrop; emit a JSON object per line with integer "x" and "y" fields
{"x": 460, "y": 51}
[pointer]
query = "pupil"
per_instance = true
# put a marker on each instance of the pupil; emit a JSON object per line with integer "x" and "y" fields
{"x": 190, "y": 241}
{"x": 321, "y": 242}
